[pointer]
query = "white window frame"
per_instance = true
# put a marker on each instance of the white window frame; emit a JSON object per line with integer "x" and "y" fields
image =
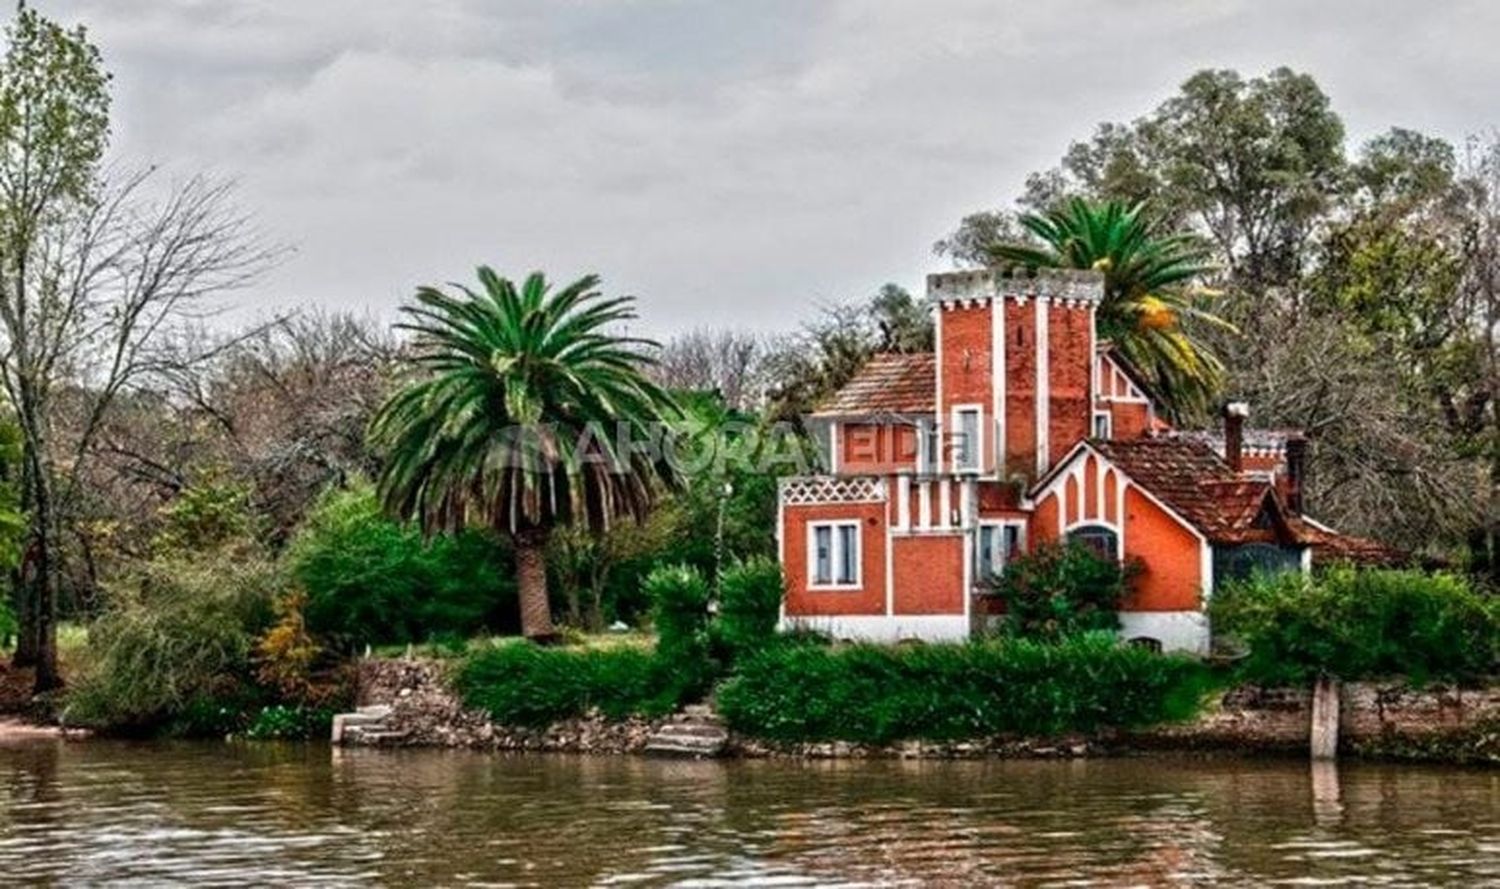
{"x": 929, "y": 437}
{"x": 835, "y": 550}
{"x": 999, "y": 526}
{"x": 956, "y": 415}
{"x": 1109, "y": 425}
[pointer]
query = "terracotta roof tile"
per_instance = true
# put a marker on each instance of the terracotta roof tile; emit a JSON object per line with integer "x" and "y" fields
{"x": 1190, "y": 478}
{"x": 1332, "y": 546}
{"x": 888, "y": 383}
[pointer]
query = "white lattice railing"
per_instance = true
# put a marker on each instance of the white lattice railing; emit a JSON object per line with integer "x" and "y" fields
{"x": 816, "y": 489}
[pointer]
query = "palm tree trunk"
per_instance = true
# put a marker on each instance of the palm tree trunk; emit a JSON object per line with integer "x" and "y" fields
{"x": 531, "y": 576}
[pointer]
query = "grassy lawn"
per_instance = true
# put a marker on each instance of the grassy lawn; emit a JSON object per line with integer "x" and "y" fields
{"x": 594, "y": 641}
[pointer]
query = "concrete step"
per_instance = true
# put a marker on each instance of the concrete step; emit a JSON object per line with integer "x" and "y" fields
{"x": 359, "y": 726}
{"x": 361, "y": 719}
{"x": 658, "y": 747}
{"x": 370, "y": 738}
{"x": 694, "y": 732}
{"x": 691, "y": 730}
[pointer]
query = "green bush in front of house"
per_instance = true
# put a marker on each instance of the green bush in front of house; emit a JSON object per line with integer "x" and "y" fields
{"x": 1060, "y": 590}
{"x": 1361, "y": 623}
{"x": 880, "y": 694}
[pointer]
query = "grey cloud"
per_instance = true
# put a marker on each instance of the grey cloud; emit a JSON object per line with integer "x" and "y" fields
{"x": 731, "y": 163}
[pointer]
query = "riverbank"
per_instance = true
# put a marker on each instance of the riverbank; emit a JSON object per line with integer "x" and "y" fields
{"x": 1386, "y": 721}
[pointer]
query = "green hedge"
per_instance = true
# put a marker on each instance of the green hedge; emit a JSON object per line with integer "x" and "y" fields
{"x": 1361, "y": 624}
{"x": 519, "y": 683}
{"x": 880, "y": 694}
{"x": 523, "y": 684}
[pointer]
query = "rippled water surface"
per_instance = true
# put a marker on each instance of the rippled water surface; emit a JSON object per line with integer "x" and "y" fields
{"x": 276, "y": 815}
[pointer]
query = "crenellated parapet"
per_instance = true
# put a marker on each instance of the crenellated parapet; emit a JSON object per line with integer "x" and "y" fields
{"x": 1021, "y": 283}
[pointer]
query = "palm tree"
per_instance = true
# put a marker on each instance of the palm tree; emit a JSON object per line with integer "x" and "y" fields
{"x": 1147, "y": 292}
{"x": 531, "y": 414}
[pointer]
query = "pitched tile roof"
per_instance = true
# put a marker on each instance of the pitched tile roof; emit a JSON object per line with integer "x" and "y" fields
{"x": 888, "y": 383}
{"x": 1190, "y": 478}
{"x": 1329, "y": 545}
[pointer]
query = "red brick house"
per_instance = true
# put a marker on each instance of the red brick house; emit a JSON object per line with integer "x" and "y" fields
{"x": 1023, "y": 427}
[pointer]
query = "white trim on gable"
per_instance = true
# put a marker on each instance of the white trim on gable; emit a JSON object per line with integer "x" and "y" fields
{"x": 1121, "y": 388}
{"x": 1065, "y": 469}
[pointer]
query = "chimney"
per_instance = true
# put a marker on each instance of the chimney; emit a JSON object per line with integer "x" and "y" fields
{"x": 1235, "y": 413}
{"x": 1296, "y": 472}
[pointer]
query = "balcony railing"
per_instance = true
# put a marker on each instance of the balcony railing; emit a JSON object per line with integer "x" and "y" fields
{"x": 812, "y": 490}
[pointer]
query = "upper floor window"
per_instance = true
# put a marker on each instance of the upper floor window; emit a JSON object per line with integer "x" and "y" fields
{"x": 834, "y": 554}
{"x": 928, "y": 440}
{"x": 1104, "y": 426}
{"x": 967, "y": 440}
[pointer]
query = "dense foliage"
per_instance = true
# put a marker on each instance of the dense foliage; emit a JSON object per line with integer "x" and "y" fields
{"x": 879, "y": 694}
{"x": 371, "y": 579}
{"x": 1059, "y": 590}
{"x": 174, "y": 632}
{"x": 1361, "y": 624}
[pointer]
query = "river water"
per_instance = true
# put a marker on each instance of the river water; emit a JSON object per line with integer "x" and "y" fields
{"x": 266, "y": 814}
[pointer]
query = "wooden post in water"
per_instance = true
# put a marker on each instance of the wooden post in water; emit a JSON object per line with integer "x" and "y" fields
{"x": 1325, "y": 718}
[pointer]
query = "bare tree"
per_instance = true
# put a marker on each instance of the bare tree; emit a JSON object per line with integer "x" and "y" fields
{"x": 108, "y": 281}
{"x": 727, "y": 361}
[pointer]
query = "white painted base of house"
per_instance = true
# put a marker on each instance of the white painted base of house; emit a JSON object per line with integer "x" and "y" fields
{"x": 1175, "y": 630}
{"x": 886, "y": 628}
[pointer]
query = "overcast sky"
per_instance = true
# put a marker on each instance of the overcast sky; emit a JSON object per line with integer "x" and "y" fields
{"x": 731, "y": 163}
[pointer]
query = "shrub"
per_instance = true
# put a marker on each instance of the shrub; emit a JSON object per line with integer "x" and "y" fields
{"x": 290, "y": 663}
{"x": 749, "y": 606}
{"x": 9, "y": 626}
{"x": 679, "y": 612}
{"x": 879, "y": 694}
{"x": 520, "y": 683}
{"x": 372, "y": 580}
{"x": 173, "y": 632}
{"x": 1361, "y": 624}
{"x": 290, "y": 723}
{"x": 1060, "y": 590}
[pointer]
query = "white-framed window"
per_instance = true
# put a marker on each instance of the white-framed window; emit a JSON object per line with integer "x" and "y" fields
{"x": 968, "y": 437}
{"x": 996, "y": 545}
{"x": 833, "y": 554}
{"x": 928, "y": 441}
{"x": 1104, "y": 424}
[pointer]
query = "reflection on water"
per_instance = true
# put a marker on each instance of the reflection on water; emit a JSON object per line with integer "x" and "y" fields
{"x": 267, "y": 815}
